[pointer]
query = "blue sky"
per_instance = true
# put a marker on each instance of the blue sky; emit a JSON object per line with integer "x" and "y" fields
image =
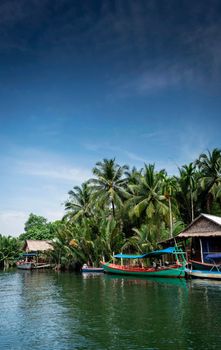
{"x": 86, "y": 80}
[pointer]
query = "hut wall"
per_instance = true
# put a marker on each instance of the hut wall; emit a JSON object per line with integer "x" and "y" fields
{"x": 209, "y": 245}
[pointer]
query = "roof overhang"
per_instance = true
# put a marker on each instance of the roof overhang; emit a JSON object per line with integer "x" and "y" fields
{"x": 199, "y": 234}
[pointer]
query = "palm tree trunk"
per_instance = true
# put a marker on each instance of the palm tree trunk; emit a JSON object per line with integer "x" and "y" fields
{"x": 171, "y": 219}
{"x": 192, "y": 211}
{"x": 209, "y": 202}
{"x": 113, "y": 208}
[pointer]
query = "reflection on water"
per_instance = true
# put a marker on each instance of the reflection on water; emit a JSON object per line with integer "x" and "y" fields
{"x": 181, "y": 282}
{"x": 50, "y": 310}
{"x": 198, "y": 282}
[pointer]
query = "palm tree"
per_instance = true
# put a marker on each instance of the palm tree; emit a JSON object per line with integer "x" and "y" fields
{"x": 210, "y": 167}
{"x": 148, "y": 195}
{"x": 78, "y": 205}
{"x": 109, "y": 186}
{"x": 109, "y": 239}
{"x": 144, "y": 239}
{"x": 73, "y": 244}
{"x": 169, "y": 185}
{"x": 133, "y": 176}
{"x": 187, "y": 188}
{"x": 9, "y": 250}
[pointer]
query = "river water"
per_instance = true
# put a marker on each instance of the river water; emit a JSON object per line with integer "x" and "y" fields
{"x": 48, "y": 310}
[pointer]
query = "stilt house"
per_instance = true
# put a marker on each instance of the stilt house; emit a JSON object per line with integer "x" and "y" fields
{"x": 204, "y": 236}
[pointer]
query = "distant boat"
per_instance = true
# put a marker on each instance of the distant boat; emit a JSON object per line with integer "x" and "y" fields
{"x": 29, "y": 261}
{"x": 87, "y": 269}
{"x": 22, "y": 265}
{"x": 31, "y": 265}
{"x": 173, "y": 269}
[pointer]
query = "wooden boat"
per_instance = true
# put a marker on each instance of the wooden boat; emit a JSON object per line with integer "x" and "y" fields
{"x": 198, "y": 265}
{"x": 87, "y": 269}
{"x": 26, "y": 265}
{"x": 27, "y": 262}
{"x": 167, "y": 270}
{"x": 211, "y": 270}
{"x": 204, "y": 274}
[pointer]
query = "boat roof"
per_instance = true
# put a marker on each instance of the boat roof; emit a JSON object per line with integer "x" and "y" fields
{"x": 169, "y": 250}
{"x": 30, "y": 254}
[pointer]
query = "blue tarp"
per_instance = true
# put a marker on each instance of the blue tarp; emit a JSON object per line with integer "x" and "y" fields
{"x": 213, "y": 256}
{"x": 29, "y": 254}
{"x": 170, "y": 250}
{"x": 128, "y": 256}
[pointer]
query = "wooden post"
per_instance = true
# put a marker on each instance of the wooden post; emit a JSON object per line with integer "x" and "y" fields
{"x": 201, "y": 250}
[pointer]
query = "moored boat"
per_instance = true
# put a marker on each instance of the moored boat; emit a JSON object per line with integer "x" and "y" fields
{"x": 205, "y": 270}
{"x": 24, "y": 265}
{"x": 204, "y": 274}
{"x": 198, "y": 265}
{"x": 165, "y": 269}
{"x": 27, "y": 265}
{"x": 29, "y": 261}
{"x": 86, "y": 268}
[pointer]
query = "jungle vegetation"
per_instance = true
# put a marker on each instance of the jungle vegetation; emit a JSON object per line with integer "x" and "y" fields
{"x": 129, "y": 209}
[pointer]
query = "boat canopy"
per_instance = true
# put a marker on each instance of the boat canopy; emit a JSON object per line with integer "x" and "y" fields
{"x": 29, "y": 254}
{"x": 169, "y": 250}
{"x": 128, "y": 256}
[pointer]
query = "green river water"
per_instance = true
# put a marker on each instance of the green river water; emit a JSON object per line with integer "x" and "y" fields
{"x": 48, "y": 310}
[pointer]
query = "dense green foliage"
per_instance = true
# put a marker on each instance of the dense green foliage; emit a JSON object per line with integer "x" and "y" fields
{"x": 9, "y": 250}
{"x": 37, "y": 227}
{"x": 123, "y": 209}
{"x": 133, "y": 210}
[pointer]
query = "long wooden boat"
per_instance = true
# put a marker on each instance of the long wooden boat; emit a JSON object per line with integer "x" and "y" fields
{"x": 29, "y": 261}
{"x": 163, "y": 271}
{"x": 172, "y": 270}
{"x": 212, "y": 274}
{"x": 31, "y": 266}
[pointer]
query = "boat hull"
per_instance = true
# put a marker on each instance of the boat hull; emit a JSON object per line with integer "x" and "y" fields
{"x": 92, "y": 269}
{"x": 41, "y": 266}
{"x": 197, "y": 265}
{"x": 25, "y": 266}
{"x": 32, "y": 266}
{"x": 171, "y": 271}
{"x": 203, "y": 274}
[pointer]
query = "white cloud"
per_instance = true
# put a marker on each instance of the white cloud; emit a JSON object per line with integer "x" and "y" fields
{"x": 134, "y": 156}
{"x": 40, "y": 163}
{"x": 12, "y": 222}
{"x": 36, "y": 182}
{"x": 54, "y": 171}
{"x": 153, "y": 135}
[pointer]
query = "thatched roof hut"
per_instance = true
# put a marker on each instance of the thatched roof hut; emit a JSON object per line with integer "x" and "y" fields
{"x": 202, "y": 237}
{"x": 37, "y": 246}
{"x": 204, "y": 225}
